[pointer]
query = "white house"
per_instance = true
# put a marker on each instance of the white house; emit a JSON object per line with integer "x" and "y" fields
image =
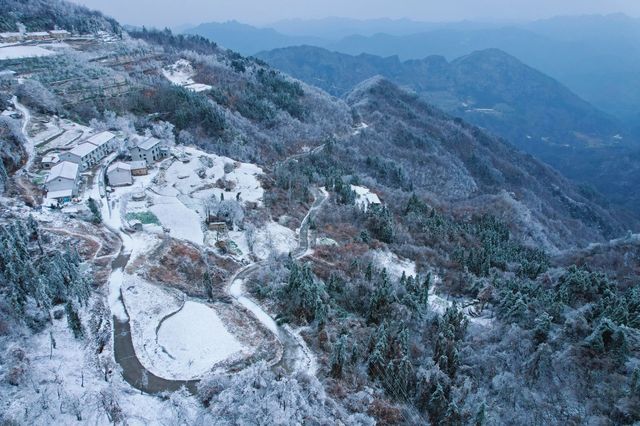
{"x": 148, "y": 150}
{"x": 86, "y": 155}
{"x": 119, "y": 174}
{"x": 104, "y": 141}
{"x": 62, "y": 181}
{"x": 38, "y": 35}
{"x": 10, "y": 37}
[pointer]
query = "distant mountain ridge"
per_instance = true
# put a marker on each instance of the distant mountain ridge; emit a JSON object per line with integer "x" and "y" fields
{"x": 495, "y": 91}
{"x": 246, "y": 39}
{"x": 597, "y": 57}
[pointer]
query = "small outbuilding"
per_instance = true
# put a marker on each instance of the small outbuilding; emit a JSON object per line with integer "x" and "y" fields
{"x": 119, "y": 174}
{"x": 49, "y": 160}
{"x": 138, "y": 168}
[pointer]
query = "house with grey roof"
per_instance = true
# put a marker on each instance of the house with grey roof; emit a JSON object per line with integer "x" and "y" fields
{"x": 62, "y": 182}
{"x": 147, "y": 149}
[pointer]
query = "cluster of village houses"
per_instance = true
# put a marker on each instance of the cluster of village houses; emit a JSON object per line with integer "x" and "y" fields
{"x": 62, "y": 184}
{"x": 17, "y": 37}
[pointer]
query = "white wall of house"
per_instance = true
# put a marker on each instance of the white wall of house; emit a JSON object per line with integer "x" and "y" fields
{"x": 63, "y": 184}
{"x": 119, "y": 177}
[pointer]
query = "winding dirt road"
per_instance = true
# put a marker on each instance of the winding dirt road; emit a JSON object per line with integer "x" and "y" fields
{"x": 296, "y": 356}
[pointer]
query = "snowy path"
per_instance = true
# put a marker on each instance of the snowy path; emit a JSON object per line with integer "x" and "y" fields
{"x": 296, "y": 354}
{"x": 82, "y": 237}
{"x": 30, "y": 146}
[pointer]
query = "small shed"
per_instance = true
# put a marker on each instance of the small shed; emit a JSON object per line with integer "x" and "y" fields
{"x": 119, "y": 174}
{"x": 138, "y": 168}
{"x": 136, "y": 225}
{"x": 49, "y": 160}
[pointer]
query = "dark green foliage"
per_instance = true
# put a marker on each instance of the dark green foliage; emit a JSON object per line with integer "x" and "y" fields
{"x": 73, "y": 319}
{"x": 4, "y": 177}
{"x": 344, "y": 193}
{"x": 578, "y": 286}
{"x": 29, "y": 272}
{"x": 542, "y": 327}
{"x": 339, "y": 356}
{"x": 381, "y": 298}
{"x": 304, "y": 294}
{"x": 95, "y": 210}
{"x": 176, "y": 42}
{"x": 380, "y": 222}
{"x": 451, "y": 329}
{"x": 284, "y": 94}
{"x": 389, "y": 172}
{"x": 183, "y": 108}
{"x": 607, "y": 338}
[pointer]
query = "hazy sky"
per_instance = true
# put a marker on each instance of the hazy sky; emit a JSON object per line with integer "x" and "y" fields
{"x": 177, "y": 12}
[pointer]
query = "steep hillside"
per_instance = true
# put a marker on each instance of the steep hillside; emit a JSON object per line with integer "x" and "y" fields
{"x": 495, "y": 91}
{"x": 459, "y": 163}
{"x": 41, "y": 15}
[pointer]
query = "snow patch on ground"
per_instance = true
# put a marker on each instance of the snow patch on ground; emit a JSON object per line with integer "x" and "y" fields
{"x": 274, "y": 238}
{"x": 174, "y": 338}
{"x": 393, "y": 264}
{"x": 364, "y": 197}
{"x": 181, "y": 74}
{"x": 243, "y": 177}
{"x": 196, "y": 339}
{"x": 67, "y": 382}
{"x": 20, "y": 52}
{"x": 183, "y": 223}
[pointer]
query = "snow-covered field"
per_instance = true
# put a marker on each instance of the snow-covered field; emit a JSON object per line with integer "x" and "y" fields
{"x": 243, "y": 177}
{"x": 393, "y": 264}
{"x": 67, "y": 383}
{"x": 364, "y": 197}
{"x": 274, "y": 238}
{"x": 181, "y": 74}
{"x": 183, "y": 223}
{"x": 196, "y": 339}
{"x": 174, "y": 338}
{"x": 17, "y": 52}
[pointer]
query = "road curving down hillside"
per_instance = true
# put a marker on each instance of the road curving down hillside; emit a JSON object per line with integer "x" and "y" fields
{"x": 294, "y": 357}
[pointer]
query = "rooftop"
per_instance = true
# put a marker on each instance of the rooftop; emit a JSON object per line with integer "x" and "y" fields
{"x": 38, "y": 34}
{"x": 101, "y": 138}
{"x": 50, "y": 158}
{"x": 64, "y": 170}
{"x": 135, "y": 165}
{"x": 148, "y": 143}
{"x": 119, "y": 166}
{"x": 83, "y": 149}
